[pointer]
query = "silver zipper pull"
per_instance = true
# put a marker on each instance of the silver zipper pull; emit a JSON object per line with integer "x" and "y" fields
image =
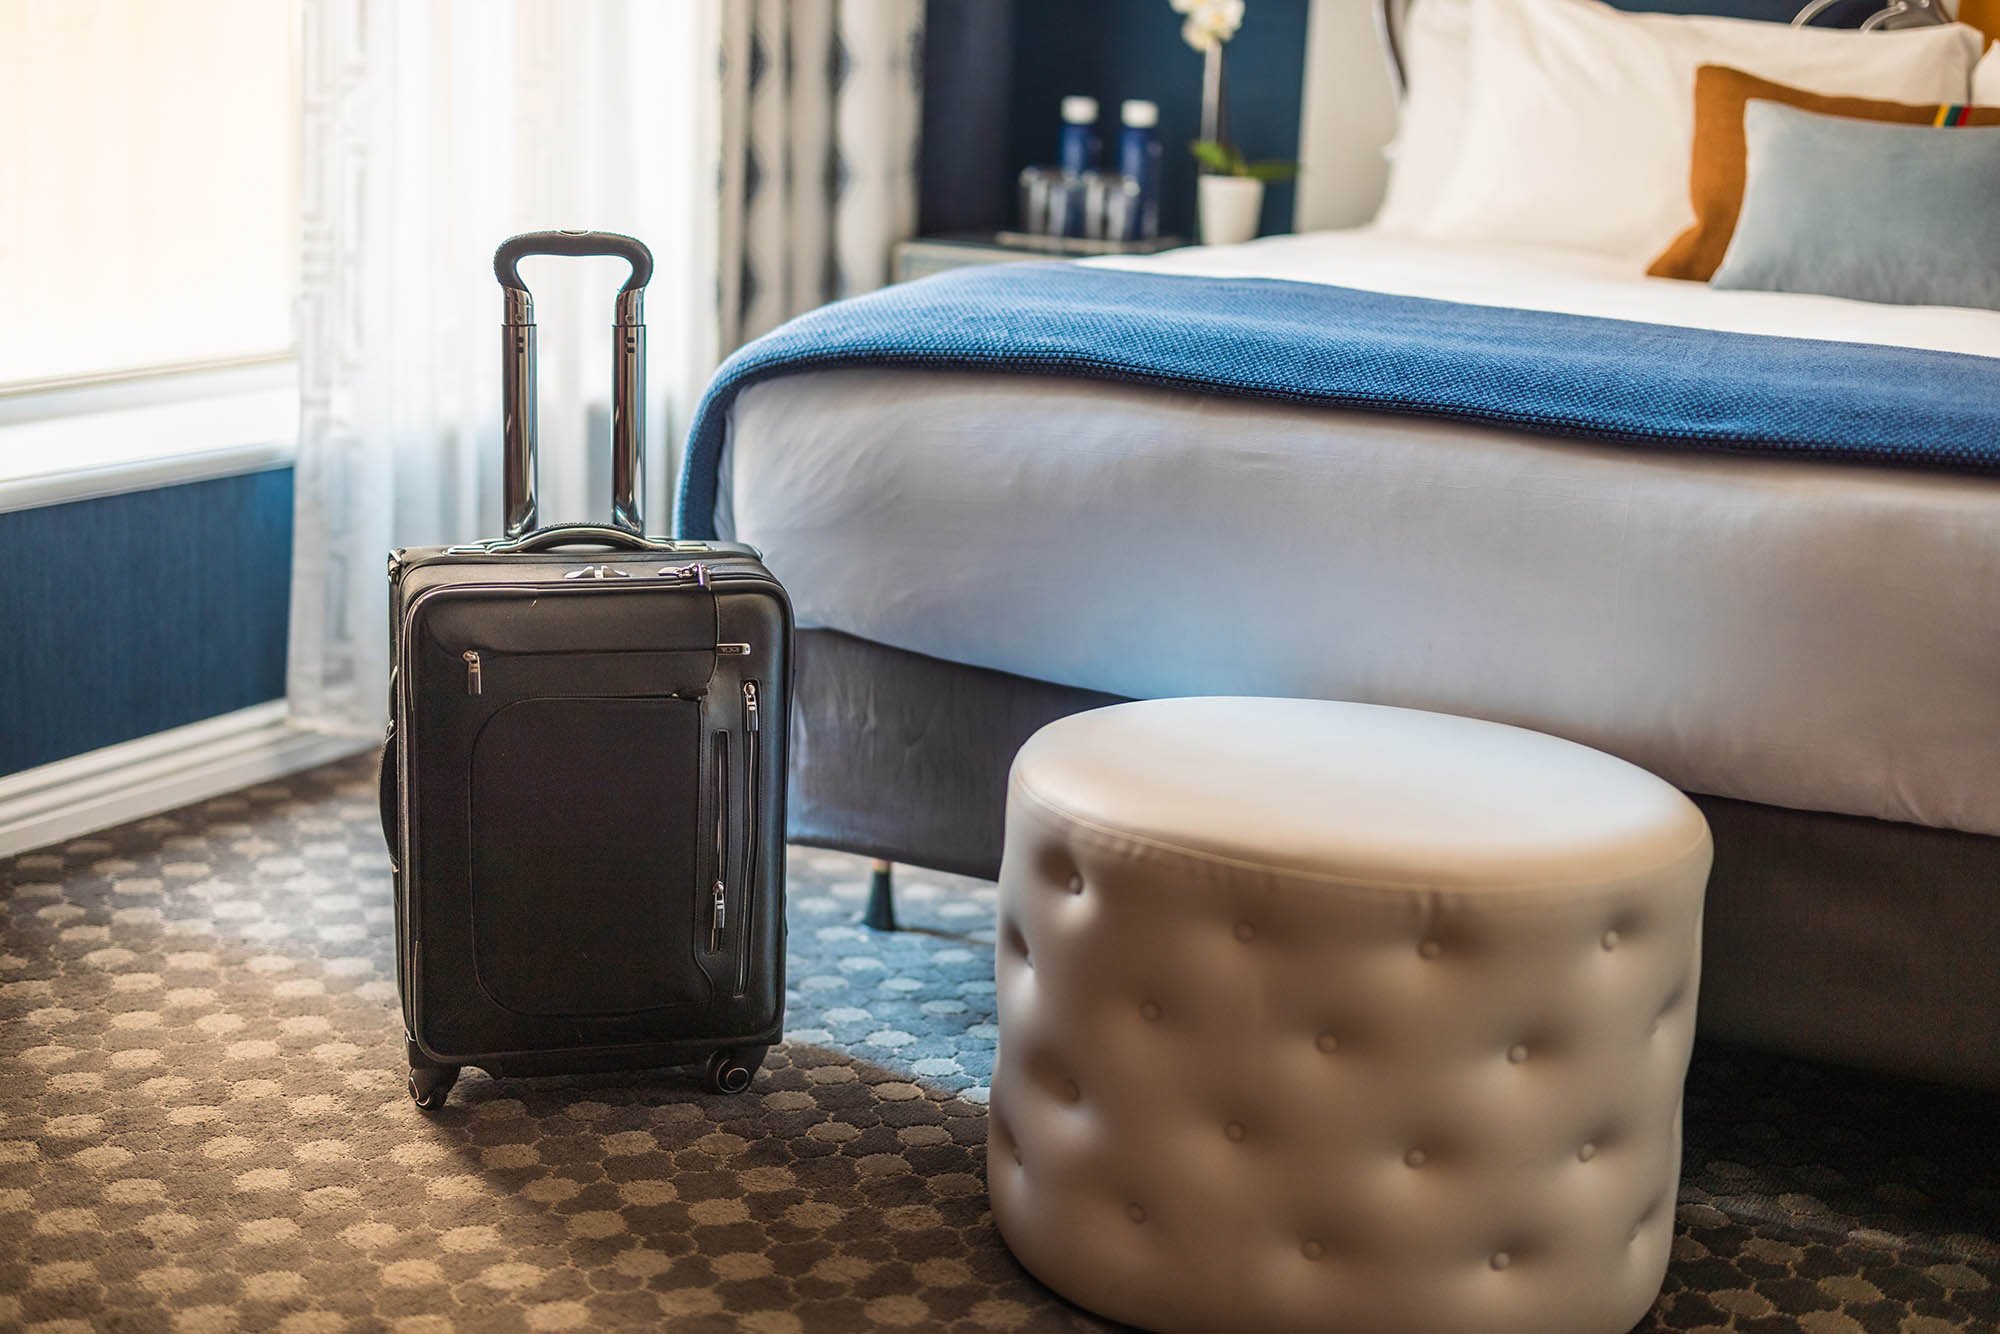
{"x": 472, "y": 686}
{"x": 715, "y": 922}
{"x": 750, "y": 705}
{"x": 696, "y": 574}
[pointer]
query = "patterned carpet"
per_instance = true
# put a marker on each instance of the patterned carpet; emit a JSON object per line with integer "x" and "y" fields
{"x": 203, "y": 1127}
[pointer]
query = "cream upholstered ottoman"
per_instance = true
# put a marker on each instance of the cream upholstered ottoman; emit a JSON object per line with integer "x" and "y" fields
{"x": 1331, "y": 1016}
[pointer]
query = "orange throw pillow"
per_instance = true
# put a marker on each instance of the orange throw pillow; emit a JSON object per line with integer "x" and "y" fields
{"x": 1983, "y": 15}
{"x": 1715, "y": 179}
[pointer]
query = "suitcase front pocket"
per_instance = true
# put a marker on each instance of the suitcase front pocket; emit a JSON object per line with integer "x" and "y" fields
{"x": 585, "y": 824}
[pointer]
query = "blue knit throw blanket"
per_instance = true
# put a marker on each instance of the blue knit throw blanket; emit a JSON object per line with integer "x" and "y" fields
{"x": 1648, "y": 385}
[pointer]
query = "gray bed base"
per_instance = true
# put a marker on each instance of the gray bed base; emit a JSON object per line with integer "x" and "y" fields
{"x": 1831, "y": 937}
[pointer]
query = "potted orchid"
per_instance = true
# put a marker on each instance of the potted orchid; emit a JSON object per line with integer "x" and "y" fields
{"x": 1230, "y": 188}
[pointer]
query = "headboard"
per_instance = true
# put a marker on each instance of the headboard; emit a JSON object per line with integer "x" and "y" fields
{"x": 1389, "y": 16}
{"x": 1823, "y": 13}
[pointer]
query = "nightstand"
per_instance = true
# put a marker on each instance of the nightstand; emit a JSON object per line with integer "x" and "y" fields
{"x": 925, "y": 255}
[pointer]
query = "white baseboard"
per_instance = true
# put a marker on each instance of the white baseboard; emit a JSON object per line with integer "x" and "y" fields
{"x": 135, "y": 779}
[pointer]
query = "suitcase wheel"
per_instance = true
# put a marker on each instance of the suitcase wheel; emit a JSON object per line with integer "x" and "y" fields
{"x": 729, "y": 1071}
{"x": 430, "y": 1085}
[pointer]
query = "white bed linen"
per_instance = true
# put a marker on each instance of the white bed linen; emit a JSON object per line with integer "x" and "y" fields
{"x": 1819, "y": 636}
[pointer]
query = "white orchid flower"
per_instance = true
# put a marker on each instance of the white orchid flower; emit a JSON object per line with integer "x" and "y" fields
{"x": 1209, "y": 23}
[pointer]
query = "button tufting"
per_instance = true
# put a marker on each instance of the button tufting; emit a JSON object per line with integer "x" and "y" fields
{"x": 1334, "y": 956}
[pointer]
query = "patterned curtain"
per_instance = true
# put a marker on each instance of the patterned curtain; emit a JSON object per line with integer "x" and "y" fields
{"x": 820, "y": 118}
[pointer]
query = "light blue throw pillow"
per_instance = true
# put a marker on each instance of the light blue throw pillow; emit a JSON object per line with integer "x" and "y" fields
{"x": 1908, "y": 215}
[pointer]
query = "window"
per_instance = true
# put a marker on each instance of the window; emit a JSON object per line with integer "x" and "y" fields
{"x": 148, "y": 188}
{"x": 149, "y": 235}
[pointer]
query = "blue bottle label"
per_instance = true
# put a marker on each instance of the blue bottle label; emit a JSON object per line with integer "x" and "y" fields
{"x": 1139, "y": 158}
{"x": 1077, "y": 151}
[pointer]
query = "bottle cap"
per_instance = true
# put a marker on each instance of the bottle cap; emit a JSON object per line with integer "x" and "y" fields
{"x": 1078, "y": 110}
{"x": 1140, "y": 114}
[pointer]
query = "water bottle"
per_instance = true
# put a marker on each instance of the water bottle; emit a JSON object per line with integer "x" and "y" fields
{"x": 1139, "y": 160}
{"x": 1078, "y": 149}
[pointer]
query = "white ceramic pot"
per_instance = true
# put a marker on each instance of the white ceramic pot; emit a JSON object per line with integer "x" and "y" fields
{"x": 1229, "y": 208}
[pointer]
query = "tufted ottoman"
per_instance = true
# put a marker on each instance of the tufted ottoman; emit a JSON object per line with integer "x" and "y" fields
{"x": 1332, "y": 1016}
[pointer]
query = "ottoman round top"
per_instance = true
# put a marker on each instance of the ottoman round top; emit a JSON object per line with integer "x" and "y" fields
{"x": 1360, "y": 793}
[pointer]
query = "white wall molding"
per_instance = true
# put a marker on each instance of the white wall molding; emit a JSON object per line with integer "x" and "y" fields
{"x": 135, "y": 779}
{"x": 145, "y": 474}
{"x": 104, "y": 440}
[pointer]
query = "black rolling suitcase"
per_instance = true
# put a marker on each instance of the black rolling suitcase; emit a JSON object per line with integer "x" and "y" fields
{"x": 583, "y": 787}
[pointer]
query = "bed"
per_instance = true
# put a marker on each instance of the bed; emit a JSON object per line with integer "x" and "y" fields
{"x": 1811, "y": 648}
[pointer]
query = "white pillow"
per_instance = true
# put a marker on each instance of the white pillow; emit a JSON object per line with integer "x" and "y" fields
{"x": 1437, "y": 63}
{"x": 1580, "y": 126}
{"x": 1986, "y": 79}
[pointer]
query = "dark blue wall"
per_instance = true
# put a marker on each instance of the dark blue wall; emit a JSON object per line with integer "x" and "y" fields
{"x": 1115, "y": 49}
{"x": 130, "y": 614}
{"x": 996, "y": 72}
{"x": 968, "y": 81}
{"x": 1846, "y": 14}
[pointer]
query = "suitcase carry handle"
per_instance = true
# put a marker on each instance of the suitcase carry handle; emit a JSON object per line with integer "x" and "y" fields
{"x": 580, "y": 534}
{"x": 628, "y": 374}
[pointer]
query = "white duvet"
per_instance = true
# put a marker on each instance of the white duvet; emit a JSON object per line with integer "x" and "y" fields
{"x": 1813, "y": 635}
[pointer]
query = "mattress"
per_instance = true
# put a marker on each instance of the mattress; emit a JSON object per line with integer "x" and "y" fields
{"x": 1812, "y": 635}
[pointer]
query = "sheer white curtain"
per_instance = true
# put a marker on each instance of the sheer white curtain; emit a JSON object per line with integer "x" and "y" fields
{"x": 434, "y": 129}
{"x": 765, "y": 149}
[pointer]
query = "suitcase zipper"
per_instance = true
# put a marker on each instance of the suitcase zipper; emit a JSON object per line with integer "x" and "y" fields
{"x": 472, "y": 685}
{"x": 752, "y": 726}
{"x": 719, "y": 908}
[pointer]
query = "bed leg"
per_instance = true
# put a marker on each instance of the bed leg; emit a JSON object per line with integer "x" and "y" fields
{"x": 881, "y": 913}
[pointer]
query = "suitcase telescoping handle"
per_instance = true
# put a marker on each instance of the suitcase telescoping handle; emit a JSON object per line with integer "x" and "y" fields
{"x": 628, "y": 373}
